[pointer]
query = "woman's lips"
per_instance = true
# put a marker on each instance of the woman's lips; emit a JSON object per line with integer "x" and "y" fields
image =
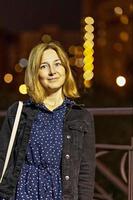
{"x": 51, "y": 79}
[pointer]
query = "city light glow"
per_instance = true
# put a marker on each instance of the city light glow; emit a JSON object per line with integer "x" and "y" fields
{"x": 88, "y": 67}
{"x": 88, "y": 75}
{"x": 23, "y": 62}
{"x": 120, "y": 81}
{"x": 23, "y": 89}
{"x": 88, "y": 36}
{"x": 88, "y": 59}
{"x": 8, "y": 78}
{"x": 87, "y": 83}
{"x": 89, "y": 20}
{"x": 88, "y": 44}
{"x": 88, "y": 51}
{"x": 118, "y": 10}
{"x": 18, "y": 68}
{"x": 124, "y": 19}
{"x": 124, "y": 36}
{"x": 89, "y": 28}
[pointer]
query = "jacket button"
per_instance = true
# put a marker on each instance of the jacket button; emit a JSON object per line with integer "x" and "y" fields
{"x": 68, "y": 136}
{"x": 67, "y": 156}
{"x": 67, "y": 178}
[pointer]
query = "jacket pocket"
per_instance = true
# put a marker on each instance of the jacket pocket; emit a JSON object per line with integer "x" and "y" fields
{"x": 77, "y": 133}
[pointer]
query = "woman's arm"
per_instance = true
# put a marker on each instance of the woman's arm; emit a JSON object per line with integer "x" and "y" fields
{"x": 87, "y": 167}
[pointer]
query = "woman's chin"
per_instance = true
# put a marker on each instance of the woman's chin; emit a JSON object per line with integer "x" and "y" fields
{"x": 53, "y": 89}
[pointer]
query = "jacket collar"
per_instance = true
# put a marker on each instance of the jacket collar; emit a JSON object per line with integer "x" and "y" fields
{"x": 69, "y": 102}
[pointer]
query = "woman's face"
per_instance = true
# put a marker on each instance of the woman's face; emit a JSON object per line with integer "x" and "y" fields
{"x": 52, "y": 73}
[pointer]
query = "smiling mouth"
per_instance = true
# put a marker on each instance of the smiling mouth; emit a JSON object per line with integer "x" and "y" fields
{"x": 51, "y": 79}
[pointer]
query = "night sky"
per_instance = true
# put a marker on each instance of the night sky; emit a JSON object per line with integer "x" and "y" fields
{"x": 20, "y": 15}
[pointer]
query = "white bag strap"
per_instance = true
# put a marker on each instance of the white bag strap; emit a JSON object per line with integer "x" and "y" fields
{"x": 13, "y": 134}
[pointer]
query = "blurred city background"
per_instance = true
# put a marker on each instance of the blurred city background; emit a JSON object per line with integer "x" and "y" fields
{"x": 23, "y": 23}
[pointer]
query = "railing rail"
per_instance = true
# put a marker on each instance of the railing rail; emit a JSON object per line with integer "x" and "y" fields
{"x": 100, "y": 111}
{"x": 111, "y": 111}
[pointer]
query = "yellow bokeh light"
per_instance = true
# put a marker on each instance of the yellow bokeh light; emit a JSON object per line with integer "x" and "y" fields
{"x": 88, "y": 52}
{"x": 88, "y": 36}
{"x": 124, "y": 36}
{"x": 88, "y": 67}
{"x": 89, "y": 28}
{"x": 89, "y": 20}
{"x": 120, "y": 81}
{"x": 88, "y": 59}
{"x": 88, "y": 75}
{"x": 124, "y": 19}
{"x": 118, "y": 10}
{"x": 8, "y": 78}
{"x": 23, "y": 89}
{"x": 88, "y": 44}
{"x": 87, "y": 83}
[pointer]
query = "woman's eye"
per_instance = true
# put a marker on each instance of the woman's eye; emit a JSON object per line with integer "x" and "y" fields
{"x": 58, "y": 64}
{"x": 43, "y": 66}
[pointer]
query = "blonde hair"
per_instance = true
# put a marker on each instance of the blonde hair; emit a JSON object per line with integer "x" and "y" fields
{"x": 34, "y": 88}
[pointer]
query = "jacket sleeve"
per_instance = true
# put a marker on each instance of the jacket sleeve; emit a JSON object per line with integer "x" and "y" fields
{"x": 5, "y": 134}
{"x": 87, "y": 166}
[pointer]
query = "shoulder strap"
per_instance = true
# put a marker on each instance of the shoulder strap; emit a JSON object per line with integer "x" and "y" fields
{"x": 12, "y": 138}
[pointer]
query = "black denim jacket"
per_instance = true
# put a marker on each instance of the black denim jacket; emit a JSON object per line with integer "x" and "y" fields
{"x": 78, "y": 156}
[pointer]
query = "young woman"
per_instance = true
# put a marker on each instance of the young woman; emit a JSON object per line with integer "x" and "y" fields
{"x": 53, "y": 157}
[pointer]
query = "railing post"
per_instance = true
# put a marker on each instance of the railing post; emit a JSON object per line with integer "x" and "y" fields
{"x": 130, "y": 173}
{"x": 132, "y": 169}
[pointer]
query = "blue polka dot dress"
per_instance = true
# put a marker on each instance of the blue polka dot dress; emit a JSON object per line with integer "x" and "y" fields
{"x": 40, "y": 177}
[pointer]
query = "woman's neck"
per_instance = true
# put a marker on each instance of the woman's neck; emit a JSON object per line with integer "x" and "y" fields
{"x": 54, "y": 99}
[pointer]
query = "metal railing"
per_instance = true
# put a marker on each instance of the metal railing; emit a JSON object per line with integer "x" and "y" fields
{"x": 125, "y": 181}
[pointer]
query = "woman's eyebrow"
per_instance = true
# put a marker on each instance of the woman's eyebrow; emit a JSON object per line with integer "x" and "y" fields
{"x": 57, "y": 60}
{"x": 43, "y": 63}
{"x": 47, "y": 62}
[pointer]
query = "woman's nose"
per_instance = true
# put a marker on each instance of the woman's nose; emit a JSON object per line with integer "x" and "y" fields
{"x": 52, "y": 70}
